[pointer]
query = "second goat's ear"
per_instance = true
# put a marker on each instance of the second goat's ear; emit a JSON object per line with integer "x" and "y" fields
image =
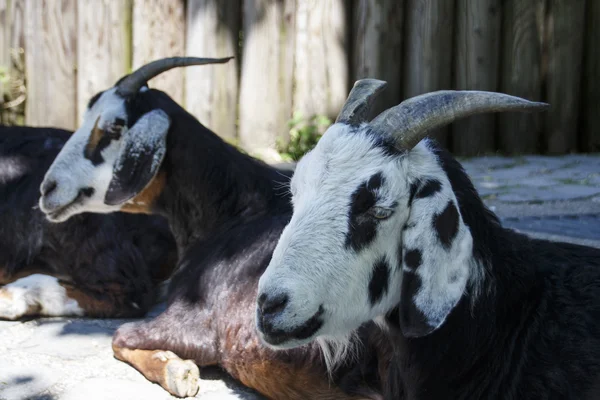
{"x": 141, "y": 154}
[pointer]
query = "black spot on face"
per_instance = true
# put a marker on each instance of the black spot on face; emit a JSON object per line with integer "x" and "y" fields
{"x": 88, "y": 191}
{"x": 413, "y": 322}
{"x": 429, "y": 188}
{"x": 413, "y": 258}
{"x": 419, "y": 190}
{"x": 378, "y": 286}
{"x": 362, "y": 228}
{"x": 446, "y": 224}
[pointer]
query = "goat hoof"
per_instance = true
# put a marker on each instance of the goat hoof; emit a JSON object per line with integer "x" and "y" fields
{"x": 181, "y": 376}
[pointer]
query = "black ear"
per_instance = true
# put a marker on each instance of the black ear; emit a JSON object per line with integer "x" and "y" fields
{"x": 437, "y": 256}
{"x": 140, "y": 156}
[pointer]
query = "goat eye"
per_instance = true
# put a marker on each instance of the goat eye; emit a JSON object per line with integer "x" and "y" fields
{"x": 115, "y": 129}
{"x": 380, "y": 212}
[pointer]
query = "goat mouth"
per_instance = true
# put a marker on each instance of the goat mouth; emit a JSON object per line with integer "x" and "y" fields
{"x": 58, "y": 215}
{"x": 278, "y": 337}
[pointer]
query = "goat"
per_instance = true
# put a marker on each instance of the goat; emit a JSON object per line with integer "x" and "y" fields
{"x": 92, "y": 265}
{"x": 388, "y": 227}
{"x": 139, "y": 151}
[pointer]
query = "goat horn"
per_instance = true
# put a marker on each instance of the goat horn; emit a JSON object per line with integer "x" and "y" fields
{"x": 410, "y": 121}
{"x": 132, "y": 83}
{"x": 358, "y": 105}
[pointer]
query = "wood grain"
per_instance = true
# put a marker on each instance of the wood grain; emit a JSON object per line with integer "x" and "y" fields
{"x": 103, "y": 47}
{"x": 476, "y": 68}
{"x": 212, "y": 90}
{"x": 51, "y": 59}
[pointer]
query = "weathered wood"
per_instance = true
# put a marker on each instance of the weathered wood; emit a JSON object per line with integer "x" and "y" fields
{"x": 4, "y": 45}
{"x": 591, "y": 86}
{"x": 377, "y": 37}
{"x": 428, "y": 50}
{"x": 103, "y": 46}
{"x": 212, "y": 90}
{"x": 476, "y": 68}
{"x": 266, "y": 76}
{"x": 321, "y": 59}
{"x": 13, "y": 62}
{"x": 564, "y": 37}
{"x": 521, "y": 74}
{"x": 50, "y": 41}
{"x": 159, "y": 31}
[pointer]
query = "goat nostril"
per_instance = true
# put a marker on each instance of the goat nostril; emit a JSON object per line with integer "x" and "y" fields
{"x": 48, "y": 187}
{"x": 272, "y": 305}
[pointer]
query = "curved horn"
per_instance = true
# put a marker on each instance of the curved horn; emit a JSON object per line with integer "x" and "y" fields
{"x": 358, "y": 104}
{"x": 410, "y": 121}
{"x": 132, "y": 83}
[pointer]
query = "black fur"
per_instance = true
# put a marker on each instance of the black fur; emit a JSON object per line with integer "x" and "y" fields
{"x": 117, "y": 259}
{"x": 361, "y": 227}
{"x": 413, "y": 258}
{"x": 533, "y": 332}
{"x": 429, "y": 188}
{"x": 446, "y": 224}
{"x": 227, "y": 211}
{"x": 378, "y": 286}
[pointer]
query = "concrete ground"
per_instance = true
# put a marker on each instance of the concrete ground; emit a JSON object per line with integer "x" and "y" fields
{"x": 69, "y": 358}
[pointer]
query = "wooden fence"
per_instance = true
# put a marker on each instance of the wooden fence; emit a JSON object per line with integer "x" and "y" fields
{"x": 304, "y": 55}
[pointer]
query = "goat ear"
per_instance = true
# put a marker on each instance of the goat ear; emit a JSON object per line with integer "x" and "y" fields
{"x": 436, "y": 250}
{"x": 140, "y": 156}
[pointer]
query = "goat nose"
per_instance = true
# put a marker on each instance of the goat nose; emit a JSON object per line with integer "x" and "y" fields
{"x": 48, "y": 187}
{"x": 272, "y": 305}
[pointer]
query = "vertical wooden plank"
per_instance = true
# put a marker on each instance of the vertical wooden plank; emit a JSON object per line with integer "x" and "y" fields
{"x": 428, "y": 50}
{"x": 265, "y": 88}
{"x": 564, "y": 38}
{"x": 13, "y": 62}
{"x": 103, "y": 47}
{"x": 158, "y": 31}
{"x": 321, "y": 61}
{"x": 476, "y": 68}
{"x": 50, "y": 40}
{"x": 591, "y": 84}
{"x": 521, "y": 74}
{"x": 212, "y": 90}
{"x": 4, "y": 46}
{"x": 377, "y": 37}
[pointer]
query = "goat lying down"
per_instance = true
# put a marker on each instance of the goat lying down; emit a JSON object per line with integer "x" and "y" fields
{"x": 474, "y": 310}
{"x": 92, "y": 265}
{"x": 139, "y": 151}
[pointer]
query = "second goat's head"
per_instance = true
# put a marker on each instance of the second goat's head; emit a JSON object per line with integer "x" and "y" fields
{"x": 376, "y": 223}
{"x": 118, "y": 148}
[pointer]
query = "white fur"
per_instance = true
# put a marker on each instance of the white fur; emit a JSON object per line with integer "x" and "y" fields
{"x": 72, "y": 171}
{"x": 311, "y": 263}
{"x": 38, "y": 292}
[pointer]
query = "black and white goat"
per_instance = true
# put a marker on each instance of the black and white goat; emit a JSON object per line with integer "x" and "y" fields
{"x": 91, "y": 265}
{"x": 388, "y": 227}
{"x": 139, "y": 151}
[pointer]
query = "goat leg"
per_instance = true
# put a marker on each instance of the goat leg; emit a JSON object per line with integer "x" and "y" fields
{"x": 178, "y": 377}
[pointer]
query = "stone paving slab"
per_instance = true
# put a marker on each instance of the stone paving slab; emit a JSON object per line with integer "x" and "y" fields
{"x": 69, "y": 359}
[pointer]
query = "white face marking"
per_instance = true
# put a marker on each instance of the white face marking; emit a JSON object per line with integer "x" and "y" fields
{"x": 73, "y": 171}
{"x": 39, "y": 294}
{"x": 316, "y": 265}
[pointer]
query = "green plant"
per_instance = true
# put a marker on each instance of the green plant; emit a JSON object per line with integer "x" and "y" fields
{"x": 304, "y": 135}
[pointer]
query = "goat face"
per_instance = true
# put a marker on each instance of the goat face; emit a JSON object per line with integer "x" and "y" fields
{"x": 113, "y": 155}
{"x": 375, "y": 225}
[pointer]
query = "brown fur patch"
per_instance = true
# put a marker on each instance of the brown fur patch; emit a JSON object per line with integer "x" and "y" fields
{"x": 5, "y": 278}
{"x": 5, "y": 295}
{"x": 142, "y": 203}
{"x": 94, "y": 139}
